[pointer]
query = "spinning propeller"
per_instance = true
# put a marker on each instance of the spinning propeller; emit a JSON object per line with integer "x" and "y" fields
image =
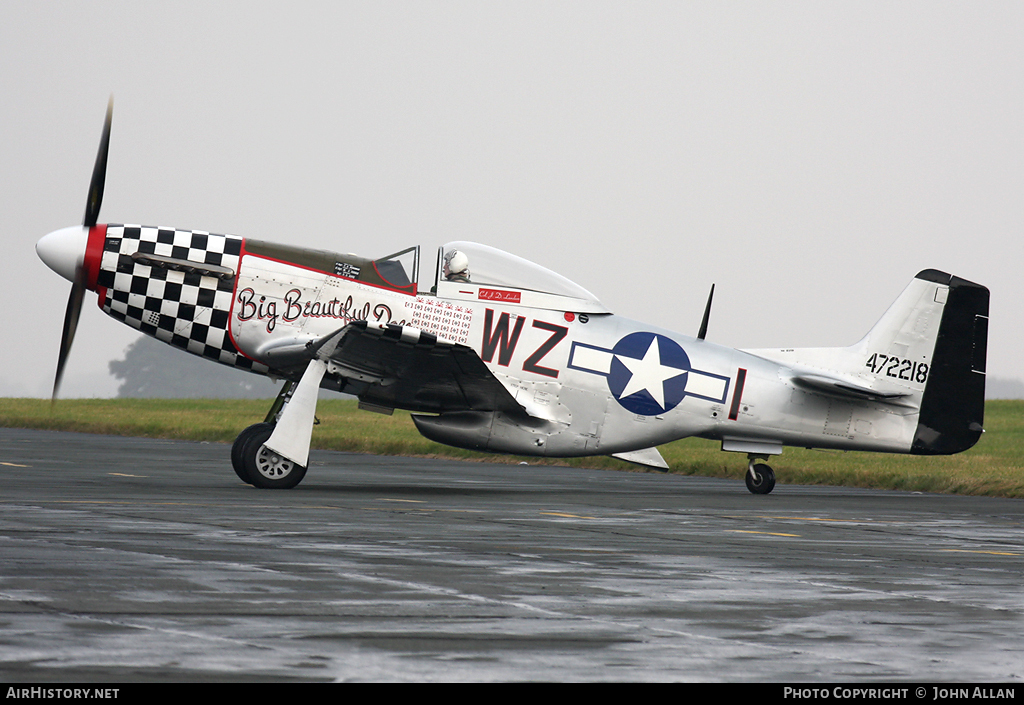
{"x": 63, "y": 250}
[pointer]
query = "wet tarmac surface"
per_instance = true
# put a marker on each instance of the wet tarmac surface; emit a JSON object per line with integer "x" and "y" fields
{"x": 126, "y": 559}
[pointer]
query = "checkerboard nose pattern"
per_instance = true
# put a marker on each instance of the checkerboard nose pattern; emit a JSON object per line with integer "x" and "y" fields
{"x": 182, "y": 295}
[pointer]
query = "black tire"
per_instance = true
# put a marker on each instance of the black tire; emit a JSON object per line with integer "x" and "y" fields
{"x": 763, "y": 481}
{"x": 236, "y": 450}
{"x": 265, "y": 468}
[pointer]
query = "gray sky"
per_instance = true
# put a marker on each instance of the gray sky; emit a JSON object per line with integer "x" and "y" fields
{"x": 809, "y": 158}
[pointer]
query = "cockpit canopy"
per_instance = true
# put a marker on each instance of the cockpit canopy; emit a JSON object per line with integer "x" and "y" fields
{"x": 489, "y": 266}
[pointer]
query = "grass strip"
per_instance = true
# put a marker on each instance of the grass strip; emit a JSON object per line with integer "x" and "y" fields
{"x": 994, "y": 467}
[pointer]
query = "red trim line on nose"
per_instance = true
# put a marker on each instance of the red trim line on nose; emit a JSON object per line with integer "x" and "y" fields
{"x": 94, "y": 254}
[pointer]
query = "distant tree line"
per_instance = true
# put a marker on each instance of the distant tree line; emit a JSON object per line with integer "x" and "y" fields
{"x": 153, "y": 369}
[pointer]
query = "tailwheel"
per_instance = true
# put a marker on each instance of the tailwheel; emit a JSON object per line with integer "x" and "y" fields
{"x": 265, "y": 468}
{"x": 760, "y": 478}
{"x": 236, "y": 450}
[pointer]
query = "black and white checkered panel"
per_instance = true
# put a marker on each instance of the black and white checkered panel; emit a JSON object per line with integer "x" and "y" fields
{"x": 187, "y": 310}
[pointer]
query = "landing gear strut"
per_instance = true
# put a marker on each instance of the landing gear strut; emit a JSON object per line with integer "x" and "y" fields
{"x": 256, "y": 464}
{"x": 760, "y": 477}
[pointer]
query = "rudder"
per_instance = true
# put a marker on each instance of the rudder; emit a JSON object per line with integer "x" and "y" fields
{"x": 953, "y": 403}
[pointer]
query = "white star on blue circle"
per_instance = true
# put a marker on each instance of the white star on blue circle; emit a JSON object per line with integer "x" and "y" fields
{"x": 648, "y": 373}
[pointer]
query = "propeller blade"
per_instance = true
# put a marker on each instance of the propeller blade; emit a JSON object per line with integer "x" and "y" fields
{"x": 71, "y": 315}
{"x": 99, "y": 173}
{"x": 92, "y": 214}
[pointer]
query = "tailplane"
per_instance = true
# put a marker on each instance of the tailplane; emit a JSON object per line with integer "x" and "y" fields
{"x": 926, "y": 354}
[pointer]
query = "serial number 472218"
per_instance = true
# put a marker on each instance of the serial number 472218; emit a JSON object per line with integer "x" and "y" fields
{"x": 898, "y": 368}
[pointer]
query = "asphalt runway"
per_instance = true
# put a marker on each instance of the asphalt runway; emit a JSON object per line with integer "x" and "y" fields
{"x": 125, "y": 559}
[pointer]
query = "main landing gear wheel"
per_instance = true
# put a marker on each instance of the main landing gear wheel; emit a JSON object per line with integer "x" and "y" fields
{"x": 236, "y": 450}
{"x": 760, "y": 478}
{"x": 265, "y": 468}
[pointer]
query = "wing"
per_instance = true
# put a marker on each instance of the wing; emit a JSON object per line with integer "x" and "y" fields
{"x": 400, "y": 367}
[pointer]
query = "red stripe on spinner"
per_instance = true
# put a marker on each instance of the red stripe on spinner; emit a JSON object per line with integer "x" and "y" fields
{"x": 94, "y": 255}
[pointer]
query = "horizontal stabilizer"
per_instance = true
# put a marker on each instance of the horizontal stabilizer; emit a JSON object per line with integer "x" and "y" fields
{"x": 844, "y": 388}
